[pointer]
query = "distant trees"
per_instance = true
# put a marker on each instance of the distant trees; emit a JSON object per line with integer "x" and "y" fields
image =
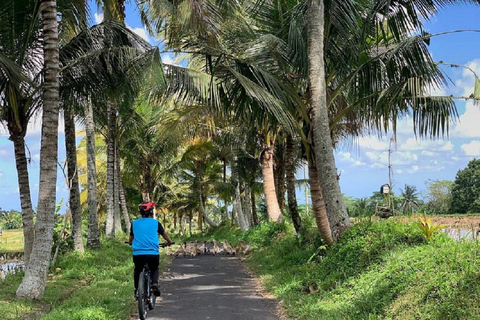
{"x": 439, "y": 196}
{"x": 442, "y": 196}
{"x": 466, "y": 189}
{"x": 410, "y": 199}
{"x": 10, "y": 219}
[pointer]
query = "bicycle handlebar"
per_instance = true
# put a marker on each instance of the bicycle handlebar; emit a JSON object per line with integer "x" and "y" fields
{"x": 161, "y": 245}
{"x": 164, "y": 244}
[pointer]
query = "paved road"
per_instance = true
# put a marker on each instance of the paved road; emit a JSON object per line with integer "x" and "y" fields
{"x": 211, "y": 287}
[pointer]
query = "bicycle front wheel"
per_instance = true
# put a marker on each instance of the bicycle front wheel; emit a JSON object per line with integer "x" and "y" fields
{"x": 142, "y": 296}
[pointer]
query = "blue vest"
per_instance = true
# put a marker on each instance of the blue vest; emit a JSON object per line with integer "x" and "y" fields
{"x": 145, "y": 236}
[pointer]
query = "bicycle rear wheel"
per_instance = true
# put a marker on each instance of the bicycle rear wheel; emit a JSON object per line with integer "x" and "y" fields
{"x": 142, "y": 296}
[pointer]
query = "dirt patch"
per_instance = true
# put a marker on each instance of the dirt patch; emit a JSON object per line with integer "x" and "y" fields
{"x": 467, "y": 222}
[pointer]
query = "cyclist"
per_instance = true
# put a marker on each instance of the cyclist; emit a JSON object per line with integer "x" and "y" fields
{"x": 144, "y": 241}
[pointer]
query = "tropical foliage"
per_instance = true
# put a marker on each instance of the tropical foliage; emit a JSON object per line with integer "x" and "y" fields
{"x": 267, "y": 86}
{"x": 465, "y": 191}
{"x": 11, "y": 220}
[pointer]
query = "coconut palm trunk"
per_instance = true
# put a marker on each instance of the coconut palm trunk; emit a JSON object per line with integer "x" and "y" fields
{"x": 318, "y": 204}
{"x": 290, "y": 179}
{"x": 325, "y": 161}
{"x": 93, "y": 235}
{"x": 237, "y": 200}
{"x": 279, "y": 175}
{"x": 123, "y": 200}
{"x": 205, "y": 216}
{"x": 72, "y": 172}
{"x": 25, "y": 197}
{"x": 35, "y": 279}
{"x": 117, "y": 220}
{"x": 248, "y": 206}
{"x": 254, "y": 209}
{"x": 109, "y": 223}
{"x": 273, "y": 208}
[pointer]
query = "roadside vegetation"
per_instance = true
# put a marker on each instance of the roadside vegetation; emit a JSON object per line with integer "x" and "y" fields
{"x": 95, "y": 285}
{"x": 378, "y": 270}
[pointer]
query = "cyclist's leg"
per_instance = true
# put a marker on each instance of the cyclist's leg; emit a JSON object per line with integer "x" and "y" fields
{"x": 139, "y": 261}
{"x": 153, "y": 263}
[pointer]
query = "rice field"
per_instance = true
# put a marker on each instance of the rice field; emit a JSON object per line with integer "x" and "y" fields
{"x": 11, "y": 241}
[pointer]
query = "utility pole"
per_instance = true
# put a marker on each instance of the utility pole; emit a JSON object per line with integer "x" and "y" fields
{"x": 390, "y": 174}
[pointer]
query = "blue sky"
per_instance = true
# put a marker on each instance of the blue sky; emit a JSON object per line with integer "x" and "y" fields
{"x": 362, "y": 162}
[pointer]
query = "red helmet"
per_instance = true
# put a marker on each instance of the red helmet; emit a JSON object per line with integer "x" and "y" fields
{"x": 146, "y": 208}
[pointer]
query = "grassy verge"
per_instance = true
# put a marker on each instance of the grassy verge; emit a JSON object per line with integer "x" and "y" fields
{"x": 95, "y": 285}
{"x": 379, "y": 270}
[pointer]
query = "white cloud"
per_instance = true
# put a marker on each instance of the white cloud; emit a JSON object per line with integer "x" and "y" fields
{"x": 467, "y": 82}
{"x": 413, "y": 169}
{"x": 427, "y": 153}
{"x": 414, "y": 144}
{"x": 372, "y": 142}
{"x": 436, "y": 91}
{"x": 141, "y": 32}
{"x": 98, "y": 17}
{"x": 167, "y": 58}
{"x": 377, "y": 157}
{"x": 472, "y": 148}
{"x": 1, "y": 174}
{"x": 468, "y": 123}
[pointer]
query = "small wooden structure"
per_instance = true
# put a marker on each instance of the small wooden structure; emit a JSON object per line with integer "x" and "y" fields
{"x": 386, "y": 210}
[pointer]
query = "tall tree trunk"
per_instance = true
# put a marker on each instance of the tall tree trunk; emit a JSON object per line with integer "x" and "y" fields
{"x": 237, "y": 205}
{"x": 201, "y": 212}
{"x": 208, "y": 220}
{"x": 279, "y": 174}
{"x": 93, "y": 235}
{"x": 117, "y": 226}
{"x": 109, "y": 223}
{"x": 25, "y": 197}
{"x": 182, "y": 224}
{"x": 248, "y": 206}
{"x": 123, "y": 201}
{"x": 273, "y": 208}
{"x": 225, "y": 182}
{"x": 35, "y": 279}
{"x": 237, "y": 200}
{"x": 318, "y": 205}
{"x": 117, "y": 218}
{"x": 254, "y": 209}
{"x": 72, "y": 172}
{"x": 325, "y": 161}
{"x": 291, "y": 193}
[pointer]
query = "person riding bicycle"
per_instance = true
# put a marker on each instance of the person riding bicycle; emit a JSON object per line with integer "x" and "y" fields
{"x": 144, "y": 241}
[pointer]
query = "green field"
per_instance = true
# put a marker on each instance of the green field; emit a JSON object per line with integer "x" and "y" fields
{"x": 11, "y": 241}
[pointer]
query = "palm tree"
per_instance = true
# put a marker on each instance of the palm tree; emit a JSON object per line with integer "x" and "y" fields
{"x": 72, "y": 179}
{"x": 34, "y": 281}
{"x": 20, "y": 66}
{"x": 21, "y": 73}
{"x": 409, "y": 198}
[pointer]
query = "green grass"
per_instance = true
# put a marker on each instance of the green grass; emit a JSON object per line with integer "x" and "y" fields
{"x": 11, "y": 241}
{"x": 378, "y": 270}
{"x": 95, "y": 285}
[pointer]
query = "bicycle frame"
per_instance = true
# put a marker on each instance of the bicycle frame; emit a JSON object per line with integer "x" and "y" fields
{"x": 146, "y": 299}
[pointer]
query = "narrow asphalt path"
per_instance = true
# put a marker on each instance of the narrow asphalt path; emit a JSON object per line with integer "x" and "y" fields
{"x": 211, "y": 287}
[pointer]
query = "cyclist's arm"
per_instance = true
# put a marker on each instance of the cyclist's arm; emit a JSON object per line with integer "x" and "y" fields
{"x": 130, "y": 239}
{"x": 164, "y": 234}
{"x": 167, "y": 238}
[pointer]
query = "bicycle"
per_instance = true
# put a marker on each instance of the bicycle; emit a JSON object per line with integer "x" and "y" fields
{"x": 145, "y": 297}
